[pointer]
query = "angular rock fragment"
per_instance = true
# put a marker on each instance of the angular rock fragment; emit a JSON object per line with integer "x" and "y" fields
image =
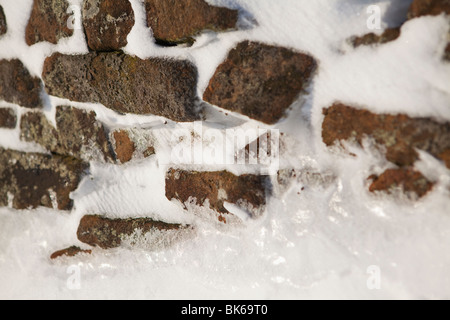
{"x": 3, "y": 25}
{"x": 108, "y": 233}
{"x": 260, "y": 81}
{"x": 18, "y": 86}
{"x": 406, "y": 180}
{"x": 132, "y": 144}
{"x": 77, "y": 134}
{"x": 125, "y": 83}
{"x": 49, "y": 21}
{"x": 388, "y": 35}
{"x": 177, "y": 21}
{"x": 107, "y": 23}
{"x": 215, "y": 188}
{"x": 399, "y": 134}
{"x": 69, "y": 252}
{"x": 8, "y": 118}
{"x": 30, "y": 180}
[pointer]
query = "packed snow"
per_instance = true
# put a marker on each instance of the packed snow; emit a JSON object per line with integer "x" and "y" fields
{"x": 315, "y": 240}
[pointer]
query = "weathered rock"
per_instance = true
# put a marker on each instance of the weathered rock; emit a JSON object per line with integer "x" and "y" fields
{"x": 388, "y": 35}
{"x": 407, "y": 180}
{"x": 77, "y": 134}
{"x": 124, "y": 147}
{"x": 132, "y": 144}
{"x": 48, "y": 22}
{"x": 18, "y": 86}
{"x": 199, "y": 188}
{"x": 107, "y": 23}
{"x": 108, "y": 233}
{"x": 30, "y": 180}
{"x": 177, "y": 21}
{"x": 69, "y": 252}
{"x": 428, "y": 7}
{"x": 125, "y": 83}
{"x": 399, "y": 134}
{"x": 3, "y": 25}
{"x": 260, "y": 81}
{"x": 8, "y": 118}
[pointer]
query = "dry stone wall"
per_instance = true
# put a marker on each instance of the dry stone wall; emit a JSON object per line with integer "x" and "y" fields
{"x": 257, "y": 80}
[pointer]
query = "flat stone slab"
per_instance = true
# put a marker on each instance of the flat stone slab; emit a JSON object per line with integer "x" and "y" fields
{"x": 125, "y": 83}
{"x": 213, "y": 189}
{"x": 177, "y": 21}
{"x": 109, "y": 233}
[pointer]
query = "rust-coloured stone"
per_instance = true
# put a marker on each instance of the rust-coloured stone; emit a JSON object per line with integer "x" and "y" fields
{"x": 18, "y": 86}
{"x": 428, "y": 7}
{"x": 8, "y": 118}
{"x": 124, "y": 147}
{"x": 125, "y": 83}
{"x": 108, "y": 233}
{"x": 247, "y": 191}
{"x": 77, "y": 134}
{"x": 30, "y": 180}
{"x": 388, "y": 35}
{"x": 107, "y": 23}
{"x": 411, "y": 182}
{"x": 177, "y": 21}
{"x": 69, "y": 252}
{"x": 399, "y": 134}
{"x": 3, "y": 25}
{"x": 260, "y": 81}
{"x": 48, "y": 22}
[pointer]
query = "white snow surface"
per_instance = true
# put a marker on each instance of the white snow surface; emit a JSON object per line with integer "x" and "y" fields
{"x": 314, "y": 241}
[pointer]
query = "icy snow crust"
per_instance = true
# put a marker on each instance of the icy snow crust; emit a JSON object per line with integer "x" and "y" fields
{"x": 315, "y": 240}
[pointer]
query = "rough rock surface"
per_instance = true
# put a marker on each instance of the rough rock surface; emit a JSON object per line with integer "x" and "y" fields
{"x": 18, "y": 86}
{"x": 247, "y": 191}
{"x": 428, "y": 7}
{"x": 124, "y": 147}
{"x": 8, "y": 118}
{"x": 69, "y": 252}
{"x": 77, "y": 134}
{"x": 407, "y": 180}
{"x": 30, "y": 180}
{"x": 108, "y": 233}
{"x": 388, "y": 35}
{"x": 399, "y": 134}
{"x": 3, "y": 25}
{"x": 177, "y": 21}
{"x": 48, "y": 22}
{"x": 125, "y": 83}
{"x": 260, "y": 81}
{"x": 107, "y": 23}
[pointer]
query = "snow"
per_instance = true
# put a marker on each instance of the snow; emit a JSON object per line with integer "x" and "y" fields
{"x": 315, "y": 240}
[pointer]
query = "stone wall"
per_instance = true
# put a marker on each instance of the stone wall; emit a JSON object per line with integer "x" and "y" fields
{"x": 257, "y": 80}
